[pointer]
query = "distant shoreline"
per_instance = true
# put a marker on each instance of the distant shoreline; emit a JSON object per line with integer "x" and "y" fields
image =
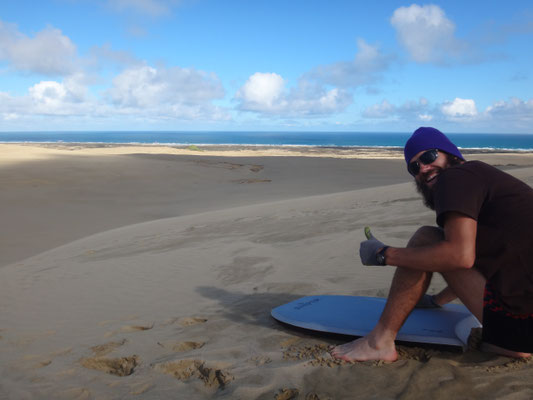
{"x": 258, "y": 149}
{"x": 347, "y": 141}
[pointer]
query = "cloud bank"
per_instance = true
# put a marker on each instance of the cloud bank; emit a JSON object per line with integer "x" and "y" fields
{"x": 513, "y": 113}
{"x": 324, "y": 90}
{"x": 173, "y": 92}
{"x": 266, "y": 93}
{"x": 106, "y": 83}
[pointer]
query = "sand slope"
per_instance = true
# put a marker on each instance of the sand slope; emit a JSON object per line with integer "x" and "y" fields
{"x": 179, "y": 308}
{"x": 52, "y": 195}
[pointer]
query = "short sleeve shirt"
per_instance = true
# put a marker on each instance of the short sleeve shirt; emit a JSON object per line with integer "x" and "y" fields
{"x": 503, "y": 208}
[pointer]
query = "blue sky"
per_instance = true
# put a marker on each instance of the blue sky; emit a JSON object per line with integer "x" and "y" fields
{"x": 291, "y": 65}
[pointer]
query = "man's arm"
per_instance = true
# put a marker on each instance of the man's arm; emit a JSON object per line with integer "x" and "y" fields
{"x": 456, "y": 251}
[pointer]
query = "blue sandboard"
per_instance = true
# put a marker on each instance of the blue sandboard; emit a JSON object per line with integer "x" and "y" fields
{"x": 357, "y": 316}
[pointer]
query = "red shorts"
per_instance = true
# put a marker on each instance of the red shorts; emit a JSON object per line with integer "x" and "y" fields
{"x": 501, "y": 328}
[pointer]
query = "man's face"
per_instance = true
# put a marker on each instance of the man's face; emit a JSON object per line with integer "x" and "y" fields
{"x": 428, "y": 176}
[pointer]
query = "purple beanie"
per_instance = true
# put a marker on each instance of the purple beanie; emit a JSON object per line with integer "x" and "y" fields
{"x": 429, "y": 138}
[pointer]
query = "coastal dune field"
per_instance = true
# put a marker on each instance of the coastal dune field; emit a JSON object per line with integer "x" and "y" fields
{"x": 150, "y": 272}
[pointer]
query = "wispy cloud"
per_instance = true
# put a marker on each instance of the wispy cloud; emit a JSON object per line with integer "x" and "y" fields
{"x": 105, "y": 55}
{"x": 152, "y": 8}
{"x": 409, "y": 110}
{"x": 366, "y": 68}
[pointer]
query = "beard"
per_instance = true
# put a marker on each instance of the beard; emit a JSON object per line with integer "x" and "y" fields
{"x": 427, "y": 194}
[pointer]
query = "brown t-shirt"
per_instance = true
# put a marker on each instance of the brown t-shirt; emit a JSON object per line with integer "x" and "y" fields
{"x": 503, "y": 208}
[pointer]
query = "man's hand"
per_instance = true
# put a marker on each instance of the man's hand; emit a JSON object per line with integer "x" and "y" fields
{"x": 369, "y": 249}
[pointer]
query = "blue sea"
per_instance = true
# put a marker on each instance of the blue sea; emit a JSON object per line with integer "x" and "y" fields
{"x": 504, "y": 141}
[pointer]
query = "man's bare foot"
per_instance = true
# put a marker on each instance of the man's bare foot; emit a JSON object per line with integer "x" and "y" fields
{"x": 364, "y": 349}
{"x": 490, "y": 348}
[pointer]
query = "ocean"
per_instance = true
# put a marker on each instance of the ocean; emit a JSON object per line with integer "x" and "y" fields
{"x": 505, "y": 141}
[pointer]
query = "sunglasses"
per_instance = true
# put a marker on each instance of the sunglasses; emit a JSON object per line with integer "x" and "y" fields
{"x": 425, "y": 158}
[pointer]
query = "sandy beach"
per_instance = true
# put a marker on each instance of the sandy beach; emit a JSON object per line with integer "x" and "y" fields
{"x": 149, "y": 272}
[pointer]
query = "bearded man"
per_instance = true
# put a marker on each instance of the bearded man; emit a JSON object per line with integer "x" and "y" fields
{"x": 482, "y": 246}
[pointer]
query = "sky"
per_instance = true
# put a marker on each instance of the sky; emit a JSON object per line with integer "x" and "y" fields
{"x": 266, "y": 65}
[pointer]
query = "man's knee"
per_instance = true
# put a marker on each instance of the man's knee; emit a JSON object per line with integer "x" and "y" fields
{"x": 426, "y": 235}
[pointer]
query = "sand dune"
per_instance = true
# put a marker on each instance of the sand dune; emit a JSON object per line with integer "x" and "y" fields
{"x": 144, "y": 290}
{"x": 179, "y": 308}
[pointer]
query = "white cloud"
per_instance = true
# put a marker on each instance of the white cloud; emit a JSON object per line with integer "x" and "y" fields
{"x": 322, "y": 91}
{"x": 168, "y": 92}
{"x": 261, "y": 91}
{"x": 310, "y": 99}
{"x": 426, "y": 33}
{"x": 49, "y": 98}
{"x": 513, "y": 107}
{"x": 502, "y": 116}
{"x": 365, "y": 68}
{"x": 59, "y": 98}
{"x": 146, "y": 86}
{"x": 460, "y": 108}
{"x": 514, "y": 113}
{"x": 49, "y": 52}
{"x": 265, "y": 93}
{"x": 141, "y": 93}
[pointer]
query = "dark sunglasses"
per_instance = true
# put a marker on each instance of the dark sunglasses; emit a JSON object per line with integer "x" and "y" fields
{"x": 425, "y": 158}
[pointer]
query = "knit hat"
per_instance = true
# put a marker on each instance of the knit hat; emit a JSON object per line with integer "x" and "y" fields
{"x": 426, "y": 138}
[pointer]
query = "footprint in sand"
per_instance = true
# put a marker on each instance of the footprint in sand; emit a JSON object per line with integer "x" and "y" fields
{"x": 315, "y": 354}
{"x": 287, "y": 394}
{"x": 184, "y": 370}
{"x": 130, "y": 328}
{"x": 290, "y": 341}
{"x": 181, "y": 346}
{"x": 103, "y": 349}
{"x": 122, "y": 366}
{"x": 189, "y": 321}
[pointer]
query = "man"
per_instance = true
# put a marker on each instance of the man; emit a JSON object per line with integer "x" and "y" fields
{"x": 483, "y": 248}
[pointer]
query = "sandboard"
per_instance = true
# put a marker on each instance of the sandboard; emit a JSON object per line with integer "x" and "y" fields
{"x": 357, "y": 316}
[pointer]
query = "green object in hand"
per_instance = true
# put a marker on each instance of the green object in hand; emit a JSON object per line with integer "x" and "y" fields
{"x": 372, "y": 250}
